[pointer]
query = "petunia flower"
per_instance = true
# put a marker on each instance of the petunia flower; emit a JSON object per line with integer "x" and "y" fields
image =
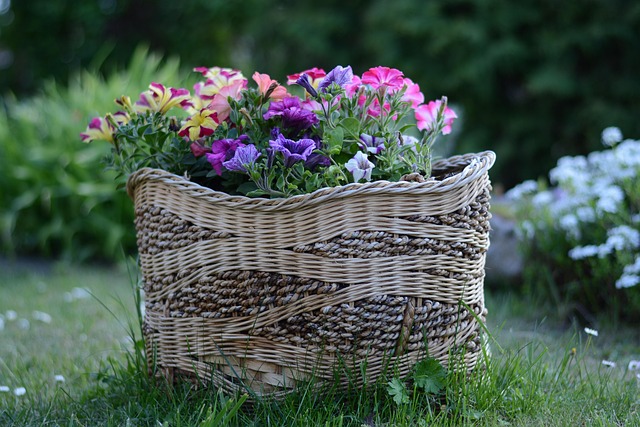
{"x": 305, "y": 82}
{"x": 218, "y": 77}
{"x": 242, "y": 159}
{"x": 339, "y": 75}
{"x": 220, "y": 103}
{"x": 200, "y": 124}
{"x": 160, "y": 99}
{"x": 372, "y": 144}
{"x": 293, "y": 115}
{"x": 412, "y": 95}
{"x": 265, "y": 84}
{"x": 315, "y": 76}
{"x": 293, "y": 151}
{"x": 384, "y": 76}
{"x": 99, "y": 129}
{"x": 427, "y": 116}
{"x": 223, "y": 150}
{"x": 360, "y": 167}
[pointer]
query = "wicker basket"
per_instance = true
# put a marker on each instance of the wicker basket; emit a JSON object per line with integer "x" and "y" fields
{"x": 264, "y": 293}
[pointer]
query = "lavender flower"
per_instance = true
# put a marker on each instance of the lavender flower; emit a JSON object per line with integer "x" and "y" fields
{"x": 293, "y": 151}
{"x": 242, "y": 160}
{"x": 339, "y": 75}
{"x": 372, "y": 144}
{"x": 360, "y": 167}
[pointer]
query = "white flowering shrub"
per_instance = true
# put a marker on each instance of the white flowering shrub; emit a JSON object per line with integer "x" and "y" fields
{"x": 581, "y": 235}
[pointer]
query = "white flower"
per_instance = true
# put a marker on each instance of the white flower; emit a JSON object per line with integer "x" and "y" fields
{"x": 611, "y": 136}
{"x": 1, "y": 323}
{"x": 11, "y": 315}
{"x": 41, "y": 316}
{"x": 360, "y": 167}
{"x": 20, "y": 391}
{"x": 4, "y": 389}
{"x": 59, "y": 378}
{"x": 633, "y": 268}
{"x": 591, "y": 331}
{"x": 571, "y": 225}
{"x": 77, "y": 293}
{"x": 526, "y": 187}
{"x": 581, "y": 252}
{"x": 634, "y": 365}
{"x": 24, "y": 324}
{"x": 610, "y": 198}
{"x": 623, "y": 238}
{"x": 627, "y": 281}
{"x": 542, "y": 199}
{"x": 586, "y": 214}
{"x": 609, "y": 363}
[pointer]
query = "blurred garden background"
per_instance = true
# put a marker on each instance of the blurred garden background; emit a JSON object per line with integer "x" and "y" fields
{"x": 531, "y": 80}
{"x": 543, "y": 83}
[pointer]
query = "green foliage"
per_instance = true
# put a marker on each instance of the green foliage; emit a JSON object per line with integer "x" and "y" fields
{"x": 57, "y": 199}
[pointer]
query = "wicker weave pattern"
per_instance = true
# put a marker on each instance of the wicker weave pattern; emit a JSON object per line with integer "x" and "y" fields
{"x": 272, "y": 290}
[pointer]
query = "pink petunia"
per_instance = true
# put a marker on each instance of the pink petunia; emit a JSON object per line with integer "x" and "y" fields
{"x": 427, "y": 116}
{"x": 220, "y": 103}
{"x": 412, "y": 94}
{"x": 384, "y": 76}
{"x": 264, "y": 82}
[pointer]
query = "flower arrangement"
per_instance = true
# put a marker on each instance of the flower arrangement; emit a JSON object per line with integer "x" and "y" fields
{"x": 268, "y": 140}
{"x": 584, "y": 232}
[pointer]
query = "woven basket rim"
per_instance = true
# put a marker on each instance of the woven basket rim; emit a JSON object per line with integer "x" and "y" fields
{"x": 473, "y": 165}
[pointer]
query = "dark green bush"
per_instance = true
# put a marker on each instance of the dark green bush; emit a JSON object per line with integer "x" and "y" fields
{"x": 57, "y": 199}
{"x": 535, "y": 79}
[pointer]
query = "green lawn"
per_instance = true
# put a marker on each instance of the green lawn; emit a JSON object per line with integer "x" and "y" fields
{"x": 65, "y": 342}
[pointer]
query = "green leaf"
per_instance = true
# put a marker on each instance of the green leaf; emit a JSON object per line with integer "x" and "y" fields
{"x": 429, "y": 375}
{"x": 352, "y": 126}
{"x": 334, "y": 139}
{"x": 398, "y": 391}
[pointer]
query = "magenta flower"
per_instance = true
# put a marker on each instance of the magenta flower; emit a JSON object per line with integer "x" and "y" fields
{"x": 293, "y": 151}
{"x": 360, "y": 167}
{"x": 223, "y": 150}
{"x": 244, "y": 157}
{"x": 427, "y": 116}
{"x": 412, "y": 95}
{"x": 352, "y": 88}
{"x": 339, "y": 75}
{"x": 384, "y": 76}
{"x": 160, "y": 99}
{"x": 99, "y": 128}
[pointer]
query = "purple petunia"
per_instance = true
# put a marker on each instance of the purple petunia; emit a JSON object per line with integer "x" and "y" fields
{"x": 223, "y": 150}
{"x": 339, "y": 75}
{"x": 293, "y": 115}
{"x": 242, "y": 159}
{"x": 293, "y": 151}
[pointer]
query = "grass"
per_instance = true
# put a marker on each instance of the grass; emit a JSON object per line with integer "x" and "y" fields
{"x": 539, "y": 373}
